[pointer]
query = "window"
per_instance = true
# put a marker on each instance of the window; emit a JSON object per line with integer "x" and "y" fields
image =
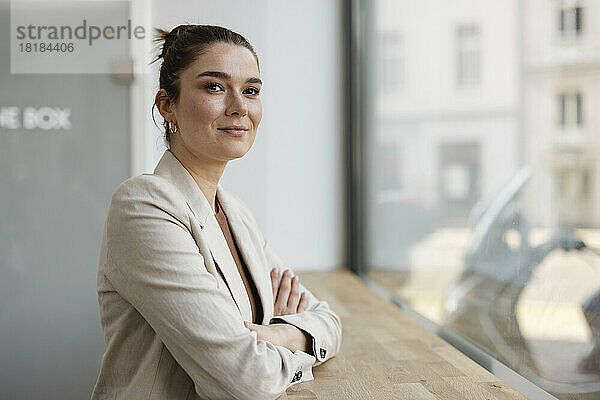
{"x": 570, "y": 18}
{"x": 388, "y": 166}
{"x": 574, "y": 195}
{"x": 586, "y": 183}
{"x": 391, "y": 61}
{"x": 459, "y": 175}
{"x": 468, "y": 55}
{"x": 570, "y": 109}
{"x": 480, "y": 238}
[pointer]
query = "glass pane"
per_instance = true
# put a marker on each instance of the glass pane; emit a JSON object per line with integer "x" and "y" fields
{"x": 481, "y": 213}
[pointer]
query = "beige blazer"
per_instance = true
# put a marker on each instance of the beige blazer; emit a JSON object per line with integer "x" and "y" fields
{"x": 172, "y": 302}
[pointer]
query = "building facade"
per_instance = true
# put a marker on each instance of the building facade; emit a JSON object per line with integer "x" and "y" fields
{"x": 561, "y": 93}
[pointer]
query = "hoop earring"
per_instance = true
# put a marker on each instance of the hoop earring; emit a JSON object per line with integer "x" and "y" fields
{"x": 173, "y": 128}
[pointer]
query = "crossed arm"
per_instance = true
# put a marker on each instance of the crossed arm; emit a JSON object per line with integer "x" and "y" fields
{"x": 288, "y": 300}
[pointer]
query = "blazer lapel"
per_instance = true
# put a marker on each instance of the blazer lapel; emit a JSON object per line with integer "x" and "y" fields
{"x": 171, "y": 169}
{"x": 226, "y": 264}
{"x": 255, "y": 264}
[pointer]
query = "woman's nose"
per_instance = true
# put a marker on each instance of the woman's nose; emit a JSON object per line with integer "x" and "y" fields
{"x": 236, "y": 104}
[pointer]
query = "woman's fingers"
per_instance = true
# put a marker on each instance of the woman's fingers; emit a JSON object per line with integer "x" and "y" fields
{"x": 261, "y": 332}
{"x": 284, "y": 293}
{"x": 275, "y": 281}
{"x": 292, "y": 303}
{"x": 252, "y": 327}
{"x": 278, "y": 334}
{"x": 288, "y": 299}
{"x": 303, "y": 303}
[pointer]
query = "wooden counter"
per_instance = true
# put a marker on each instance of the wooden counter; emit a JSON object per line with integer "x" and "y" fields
{"x": 386, "y": 355}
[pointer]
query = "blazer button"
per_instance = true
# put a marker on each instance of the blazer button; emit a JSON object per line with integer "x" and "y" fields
{"x": 323, "y": 352}
{"x": 297, "y": 376}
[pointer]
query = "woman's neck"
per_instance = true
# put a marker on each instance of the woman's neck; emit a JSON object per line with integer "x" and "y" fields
{"x": 206, "y": 173}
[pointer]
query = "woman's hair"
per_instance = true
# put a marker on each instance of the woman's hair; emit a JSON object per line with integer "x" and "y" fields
{"x": 181, "y": 47}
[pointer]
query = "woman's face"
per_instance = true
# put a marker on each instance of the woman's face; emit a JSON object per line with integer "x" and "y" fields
{"x": 219, "y": 106}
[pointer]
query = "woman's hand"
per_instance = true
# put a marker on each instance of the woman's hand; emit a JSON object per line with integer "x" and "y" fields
{"x": 284, "y": 335}
{"x": 288, "y": 299}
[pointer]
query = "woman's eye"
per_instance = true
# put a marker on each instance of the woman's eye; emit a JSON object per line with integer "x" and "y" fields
{"x": 213, "y": 87}
{"x": 252, "y": 91}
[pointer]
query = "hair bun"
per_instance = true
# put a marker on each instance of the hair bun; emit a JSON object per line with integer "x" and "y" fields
{"x": 168, "y": 38}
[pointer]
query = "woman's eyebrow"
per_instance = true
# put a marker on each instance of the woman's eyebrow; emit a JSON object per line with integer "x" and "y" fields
{"x": 225, "y": 76}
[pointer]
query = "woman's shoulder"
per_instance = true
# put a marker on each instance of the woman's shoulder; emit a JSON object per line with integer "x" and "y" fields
{"x": 151, "y": 185}
{"x": 147, "y": 190}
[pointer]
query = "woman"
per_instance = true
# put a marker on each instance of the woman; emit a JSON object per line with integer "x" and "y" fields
{"x": 188, "y": 287}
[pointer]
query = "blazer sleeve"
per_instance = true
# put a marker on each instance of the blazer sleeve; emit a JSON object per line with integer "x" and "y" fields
{"x": 155, "y": 265}
{"x": 319, "y": 321}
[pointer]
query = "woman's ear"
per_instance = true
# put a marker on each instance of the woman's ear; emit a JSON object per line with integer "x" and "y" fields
{"x": 164, "y": 105}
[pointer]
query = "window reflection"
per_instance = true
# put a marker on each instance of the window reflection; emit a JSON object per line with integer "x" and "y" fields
{"x": 483, "y": 208}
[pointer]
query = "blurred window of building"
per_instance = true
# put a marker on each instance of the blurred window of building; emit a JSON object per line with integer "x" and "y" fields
{"x": 468, "y": 45}
{"x": 388, "y": 166}
{"x": 391, "y": 56}
{"x": 459, "y": 176}
{"x": 570, "y": 109}
{"x": 570, "y": 18}
{"x": 574, "y": 196}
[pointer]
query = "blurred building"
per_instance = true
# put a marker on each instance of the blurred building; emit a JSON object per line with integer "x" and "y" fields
{"x": 518, "y": 85}
{"x": 447, "y": 113}
{"x": 448, "y": 101}
{"x": 561, "y": 94}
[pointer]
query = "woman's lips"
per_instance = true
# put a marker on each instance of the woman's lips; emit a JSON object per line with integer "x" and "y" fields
{"x": 234, "y": 132}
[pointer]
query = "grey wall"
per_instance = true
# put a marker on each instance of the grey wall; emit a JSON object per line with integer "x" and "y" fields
{"x": 55, "y": 187}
